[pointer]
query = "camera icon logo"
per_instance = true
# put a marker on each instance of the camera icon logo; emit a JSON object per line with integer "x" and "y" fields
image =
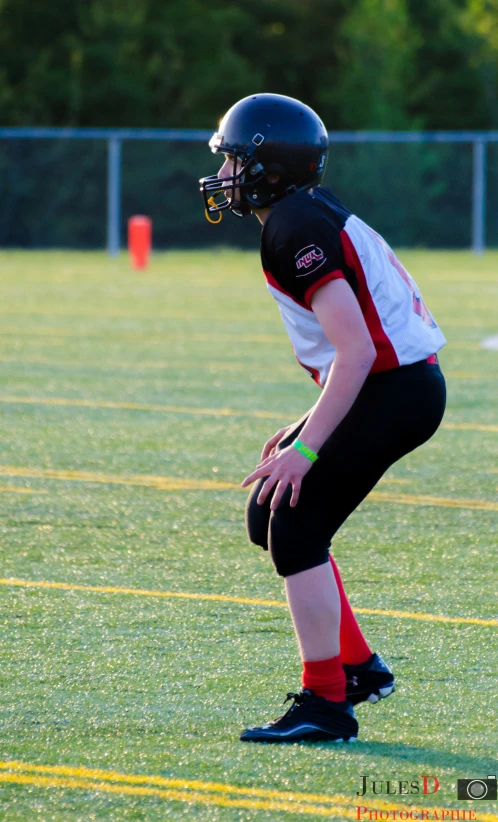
{"x": 477, "y": 788}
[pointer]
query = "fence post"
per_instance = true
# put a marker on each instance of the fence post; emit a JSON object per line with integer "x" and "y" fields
{"x": 479, "y": 197}
{"x": 113, "y": 195}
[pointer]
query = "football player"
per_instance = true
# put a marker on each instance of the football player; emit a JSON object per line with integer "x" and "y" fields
{"x": 360, "y": 328}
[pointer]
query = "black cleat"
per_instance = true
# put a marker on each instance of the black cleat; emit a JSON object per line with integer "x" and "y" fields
{"x": 369, "y": 684}
{"x": 310, "y": 718}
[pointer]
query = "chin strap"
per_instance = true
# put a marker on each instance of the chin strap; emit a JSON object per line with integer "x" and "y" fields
{"x": 212, "y": 203}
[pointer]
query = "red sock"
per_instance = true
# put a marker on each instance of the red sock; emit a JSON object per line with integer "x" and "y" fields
{"x": 354, "y": 648}
{"x": 325, "y": 677}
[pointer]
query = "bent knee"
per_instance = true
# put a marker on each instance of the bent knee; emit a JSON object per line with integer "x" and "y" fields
{"x": 294, "y": 549}
{"x": 257, "y": 519}
{"x": 287, "y": 565}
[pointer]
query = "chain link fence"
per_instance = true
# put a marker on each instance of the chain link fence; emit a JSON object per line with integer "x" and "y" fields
{"x": 64, "y": 188}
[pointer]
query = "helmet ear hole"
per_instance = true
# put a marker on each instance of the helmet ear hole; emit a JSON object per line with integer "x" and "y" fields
{"x": 276, "y": 168}
{"x": 277, "y": 174}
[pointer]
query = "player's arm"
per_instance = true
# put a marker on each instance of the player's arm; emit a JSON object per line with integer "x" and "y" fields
{"x": 339, "y": 314}
{"x": 270, "y": 446}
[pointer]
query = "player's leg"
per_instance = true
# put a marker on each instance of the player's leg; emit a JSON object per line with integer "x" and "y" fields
{"x": 300, "y": 551}
{"x": 353, "y": 645}
{"x": 392, "y": 415}
{"x": 354, "y": 648}
{"x": 368, "y": 678}
{"x": 416, "y": 396}
{"x": 315, "y": 607}
{"x": 341, "y": 631}
{"x": 320, "y": 710}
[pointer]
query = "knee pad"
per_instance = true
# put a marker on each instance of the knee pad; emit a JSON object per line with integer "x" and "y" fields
{"x": 293, "y": 542}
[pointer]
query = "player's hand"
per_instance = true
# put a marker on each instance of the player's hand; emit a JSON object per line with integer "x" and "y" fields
{"x": 285, "y": 467}
{"x": 271, "y": 446}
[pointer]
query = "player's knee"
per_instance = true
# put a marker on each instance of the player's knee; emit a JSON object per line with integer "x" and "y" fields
{"x": 284, "y": 565}
{"x": 293, "y": 549}
{"x": 257, "y": 519}
{"x": 288, "y": 563}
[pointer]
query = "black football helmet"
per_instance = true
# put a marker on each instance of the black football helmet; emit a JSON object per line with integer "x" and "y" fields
{"x": 265, "y": 133}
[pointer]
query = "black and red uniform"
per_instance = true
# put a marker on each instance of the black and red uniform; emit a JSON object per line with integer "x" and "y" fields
{"x": 308, "y": 240}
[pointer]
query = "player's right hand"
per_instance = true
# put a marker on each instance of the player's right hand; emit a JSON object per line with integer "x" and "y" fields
{"x": 271, "y": 446}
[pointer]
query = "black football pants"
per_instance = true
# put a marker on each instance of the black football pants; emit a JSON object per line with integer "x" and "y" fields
{"x": 395, "y": 412}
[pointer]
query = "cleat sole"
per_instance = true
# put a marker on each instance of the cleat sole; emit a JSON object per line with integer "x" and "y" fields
{"x": 375, "y": 696}
{"x": 387, "y": 691}
{"x": 309, "y": 736}
{"x": 287, "y": 740}
{"x": 382, "y": 693}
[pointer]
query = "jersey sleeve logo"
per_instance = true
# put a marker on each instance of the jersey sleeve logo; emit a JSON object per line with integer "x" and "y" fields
{"x": 309, "y": 259}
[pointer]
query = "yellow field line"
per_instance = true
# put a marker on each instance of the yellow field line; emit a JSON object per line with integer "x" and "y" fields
{"x": 207, "y": 793}
{"x": 283, "y": 368}
{"x": 438, "y": 502}
{"x": 144, "y": 592}
{"x": 267, "y": 603}
{"x": 468, "y": 426}
{"x": 150, "y": 338}
{"x": 57, "y": 311}
{"x": 183, "y": 484}
{"x": 461, "y": 323}
{"x": 142, "y": 480}
{"x": 157, "y": 364}
{"x": 171, "y": 795}
{"x": 466, "y": 346}
{"x": 47, "y": 341}
{"x": 11, "y": 489}
{"x": 7, "y": 331}
{"x": 465, "y": 375}
{"x": 219, "y": 366}
{"x": 211, "y": 412}
{"x": 136, "y": 406}
{"x": 162, "y": 781}
{"x": 394, "y": 480}
{"x": 428, "y": 617}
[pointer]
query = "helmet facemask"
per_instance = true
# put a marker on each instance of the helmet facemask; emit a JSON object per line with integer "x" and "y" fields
{"x": 215, "y": 189}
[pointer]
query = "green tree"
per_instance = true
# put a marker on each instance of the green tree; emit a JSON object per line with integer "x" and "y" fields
{"x": 480, "y": 23}
{"x": 376, "y": 45}
{"x": 447, "y": 91}
{"x": 374, "y": 64}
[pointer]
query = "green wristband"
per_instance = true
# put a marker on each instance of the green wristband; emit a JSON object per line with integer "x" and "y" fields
{"x": 303, "y": 449}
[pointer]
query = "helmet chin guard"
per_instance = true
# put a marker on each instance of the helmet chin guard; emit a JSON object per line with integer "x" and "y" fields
{"x": 266, "y": 134}
{"x": 229, "y": 188}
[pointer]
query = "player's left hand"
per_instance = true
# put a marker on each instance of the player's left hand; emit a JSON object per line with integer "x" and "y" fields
{"x": 284, "y": 467}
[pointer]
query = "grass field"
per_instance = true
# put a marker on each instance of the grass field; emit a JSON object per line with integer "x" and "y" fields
{"x": 132, "y": 406}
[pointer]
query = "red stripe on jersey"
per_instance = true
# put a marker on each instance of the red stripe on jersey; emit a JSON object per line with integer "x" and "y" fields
{"x": 313, "y": 371}
{"x": 332, "y": 275}
{"x": 386, "y": 355}
{"x": 270, "y": 279}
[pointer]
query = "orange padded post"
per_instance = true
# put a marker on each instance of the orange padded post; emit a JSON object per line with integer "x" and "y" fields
{"x": 139, "y": 240}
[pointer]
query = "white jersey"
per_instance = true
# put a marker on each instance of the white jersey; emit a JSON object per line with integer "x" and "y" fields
{"x": 308, "y": 240}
